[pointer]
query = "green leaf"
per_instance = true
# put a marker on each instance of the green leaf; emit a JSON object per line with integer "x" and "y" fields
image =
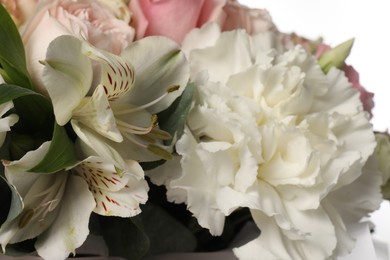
{"x": 34, "y": 110}
{"x": 61, "y": 153}
{"x": 166, "y": 234}
{"x": 336, "y": 56}
{"x": 11, "y": 92}
{"x": 174, "y": 118}
{"x": 124, "y": 237}
{"x": 12, "y": 55}
{"x": 12, "y": 199}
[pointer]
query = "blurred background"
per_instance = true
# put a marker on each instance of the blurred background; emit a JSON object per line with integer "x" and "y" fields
{"x": 337, "y": 21}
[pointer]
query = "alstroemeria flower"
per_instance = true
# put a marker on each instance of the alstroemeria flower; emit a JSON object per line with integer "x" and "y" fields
{"x": 113, "y": 111}
{"x": 6, "y": 122}
{"x": 271, "y": 132}
{"x": 57, "y": 206}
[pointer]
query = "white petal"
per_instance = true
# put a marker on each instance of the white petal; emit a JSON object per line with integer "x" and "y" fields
{"x": 95, "y": 112}
{"x": 276, "y": 243}
{"x": 123, "y": 203}
{"x": 117, "y": 75}
{"x": 219, "y": 63}
{"x": 201, "y": 38}
{"x": 70, "y": 229}
{"x": 201, "y": 200}
{"x": 361, "y": 197}
{"x": 67, "y": 71}
{"x": 159, "y": 65}
{"x": 99, "y": 145}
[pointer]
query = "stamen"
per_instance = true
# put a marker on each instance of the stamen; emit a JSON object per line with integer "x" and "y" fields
{"x": 132, "y": 139}
{"x": 159, "y": 134}
{"x": 132, "y": 129}
{"x": 25, "y": 217}
{"x": 173, "y": 88}
{"x": 151, "y": 103}
{"x": 159, "y": 151}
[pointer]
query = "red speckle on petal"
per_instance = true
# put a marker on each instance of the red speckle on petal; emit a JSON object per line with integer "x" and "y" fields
{"x": 105, "y": 184}
{"x": 104, "y": 206}
{"x": 109, "y": 78}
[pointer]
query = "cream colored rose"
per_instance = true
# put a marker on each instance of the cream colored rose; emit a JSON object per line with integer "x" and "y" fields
{"x": 20, "y": 10}
{"x": 83, "y": 19}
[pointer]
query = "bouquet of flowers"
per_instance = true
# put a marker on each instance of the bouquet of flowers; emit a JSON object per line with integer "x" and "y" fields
{"x": 166, "y": 126}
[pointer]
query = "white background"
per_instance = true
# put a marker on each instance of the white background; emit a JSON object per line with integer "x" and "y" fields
{"x": 337, "y": 21}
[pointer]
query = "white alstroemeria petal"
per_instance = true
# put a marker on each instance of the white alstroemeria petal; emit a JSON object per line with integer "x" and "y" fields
{"x": 15, "y": 169}
{"x": 114, "y": 195}
{"x": 123, "y": 203}
{"x": 132, "y": 119}
{"x": 40, "y": 207}
{"x": 95, "y": 112}
{"x": 67, "y": 71}
{"x": 100, "y": 145}
{"x": 101, "y": 174}
{"x": 117, "y": 75}
{"x": 70, "y": 228}
{"x": 160, "y": 67}
{"x": 6, "y": 122}
{"x": 40, "y": 195}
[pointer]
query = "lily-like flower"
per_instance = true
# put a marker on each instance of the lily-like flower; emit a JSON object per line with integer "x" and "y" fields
{"x": 6, "y": 122}
{"x": 56, "y": 207}
{"x": 110, "y": 100}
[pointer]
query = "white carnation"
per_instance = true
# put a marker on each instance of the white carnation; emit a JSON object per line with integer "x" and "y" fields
{"x": 271, "y": 132}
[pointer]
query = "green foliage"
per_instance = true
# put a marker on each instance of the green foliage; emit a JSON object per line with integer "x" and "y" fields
{"x": 61, "y": 153}
{"x": 174, "y": 118}
{"x": 124, "y": 237}
{"x": 34, "y": 110}
{"x": 12, "y": 56}
{"x": 154, "y": 231}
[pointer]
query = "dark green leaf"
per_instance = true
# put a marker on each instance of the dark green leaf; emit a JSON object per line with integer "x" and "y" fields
{"x": 61, "y": 153}
{"x": 13, "y": 200}
{"x": 173, "y": 119}
{"x": 166, "y": 234}
{"x": 12, "y": 55}
{"x": 124, "y": 237}
{"x": 11, "y": 92}
{"x": 34, "y": 110}
{"x": 35, "y": 115}
{"x": 21, "y": 144}
{"x": 5, "y": 199}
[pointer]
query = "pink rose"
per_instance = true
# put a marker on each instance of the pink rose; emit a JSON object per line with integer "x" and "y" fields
{"x": 82, "y": 18}
{"x": 365, "y": 96}
{"x": 252, "y": 20}
{"x": 20, "y": 10}
{"x": 174, "y": 19}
